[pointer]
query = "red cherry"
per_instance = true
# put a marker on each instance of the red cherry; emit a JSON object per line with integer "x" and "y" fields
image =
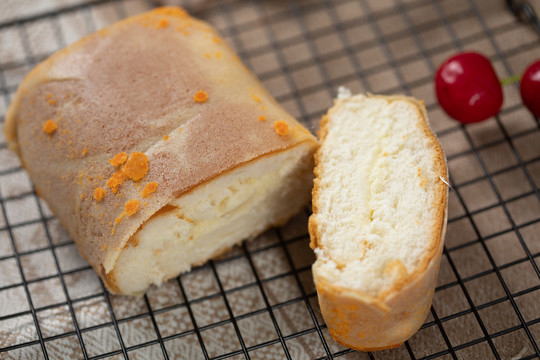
{"x": 468, "y": 88}
{"x": 530, "y": 88}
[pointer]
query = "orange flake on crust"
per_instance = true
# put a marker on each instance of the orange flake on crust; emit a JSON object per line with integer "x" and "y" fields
{"x": 150, "y": 188}
{"x": 51, "y": 101}
{"x": 118, "y": 159}
{"x": 115, "y": 181}
{"x": 50, "y": 126}
{"x": 216, "y": 39}
{"x": 136, "y": 166}
{"x": 84, "y": 151}
{"x": 200, "y": 96}
{"x": 99, "y": 193}
{"x": 163, "y": 23}
{"x": 262, "y": 118}
{"x": 119, "y": 218}
{"x": 131, "y": 207}
{"x": 281, "y": 127}
{"x": 166, "y": 137}
{"x": 256, "y": 98}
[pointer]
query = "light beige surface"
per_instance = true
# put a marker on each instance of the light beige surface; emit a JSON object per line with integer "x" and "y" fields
{"x": 317, "y": 48}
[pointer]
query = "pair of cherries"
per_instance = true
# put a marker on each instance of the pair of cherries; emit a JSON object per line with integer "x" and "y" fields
{"x": 469, "y": 91}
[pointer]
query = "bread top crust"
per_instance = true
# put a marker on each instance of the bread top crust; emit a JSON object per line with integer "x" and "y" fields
{"x": 133, "y": 87}
{"x": 437, "y": 228}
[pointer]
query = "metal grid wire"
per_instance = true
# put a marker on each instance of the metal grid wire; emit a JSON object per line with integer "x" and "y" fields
{"x": 258, "y": 302}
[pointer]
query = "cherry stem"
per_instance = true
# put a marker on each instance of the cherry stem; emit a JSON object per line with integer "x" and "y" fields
{"x": 510, "y": 80}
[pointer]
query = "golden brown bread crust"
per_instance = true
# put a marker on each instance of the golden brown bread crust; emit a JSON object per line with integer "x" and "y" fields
{"x": 364, "y": 322}
{"x": 130, "y": 88}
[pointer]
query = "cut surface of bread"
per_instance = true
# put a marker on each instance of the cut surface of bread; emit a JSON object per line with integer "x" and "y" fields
{"x": 147, "y": 115}
{"x": 213, "y": 217}
{"x": 379, "y": 215}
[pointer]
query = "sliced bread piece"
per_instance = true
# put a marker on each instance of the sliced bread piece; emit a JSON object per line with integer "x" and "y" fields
{"x": 379, "y": 218}
{"x": 154, "y": 155}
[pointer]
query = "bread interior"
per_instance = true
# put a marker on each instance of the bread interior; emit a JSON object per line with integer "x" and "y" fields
{"x": 376, "y": 217}
{"x": 214, "y": 216}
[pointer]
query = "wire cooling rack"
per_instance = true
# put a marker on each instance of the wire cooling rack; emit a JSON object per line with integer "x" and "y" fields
{"x": 259, "y": 302}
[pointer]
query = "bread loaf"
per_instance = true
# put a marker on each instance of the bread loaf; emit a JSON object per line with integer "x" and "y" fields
{"x": 156, "y": 148}
{"x": 379, "y": 218}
